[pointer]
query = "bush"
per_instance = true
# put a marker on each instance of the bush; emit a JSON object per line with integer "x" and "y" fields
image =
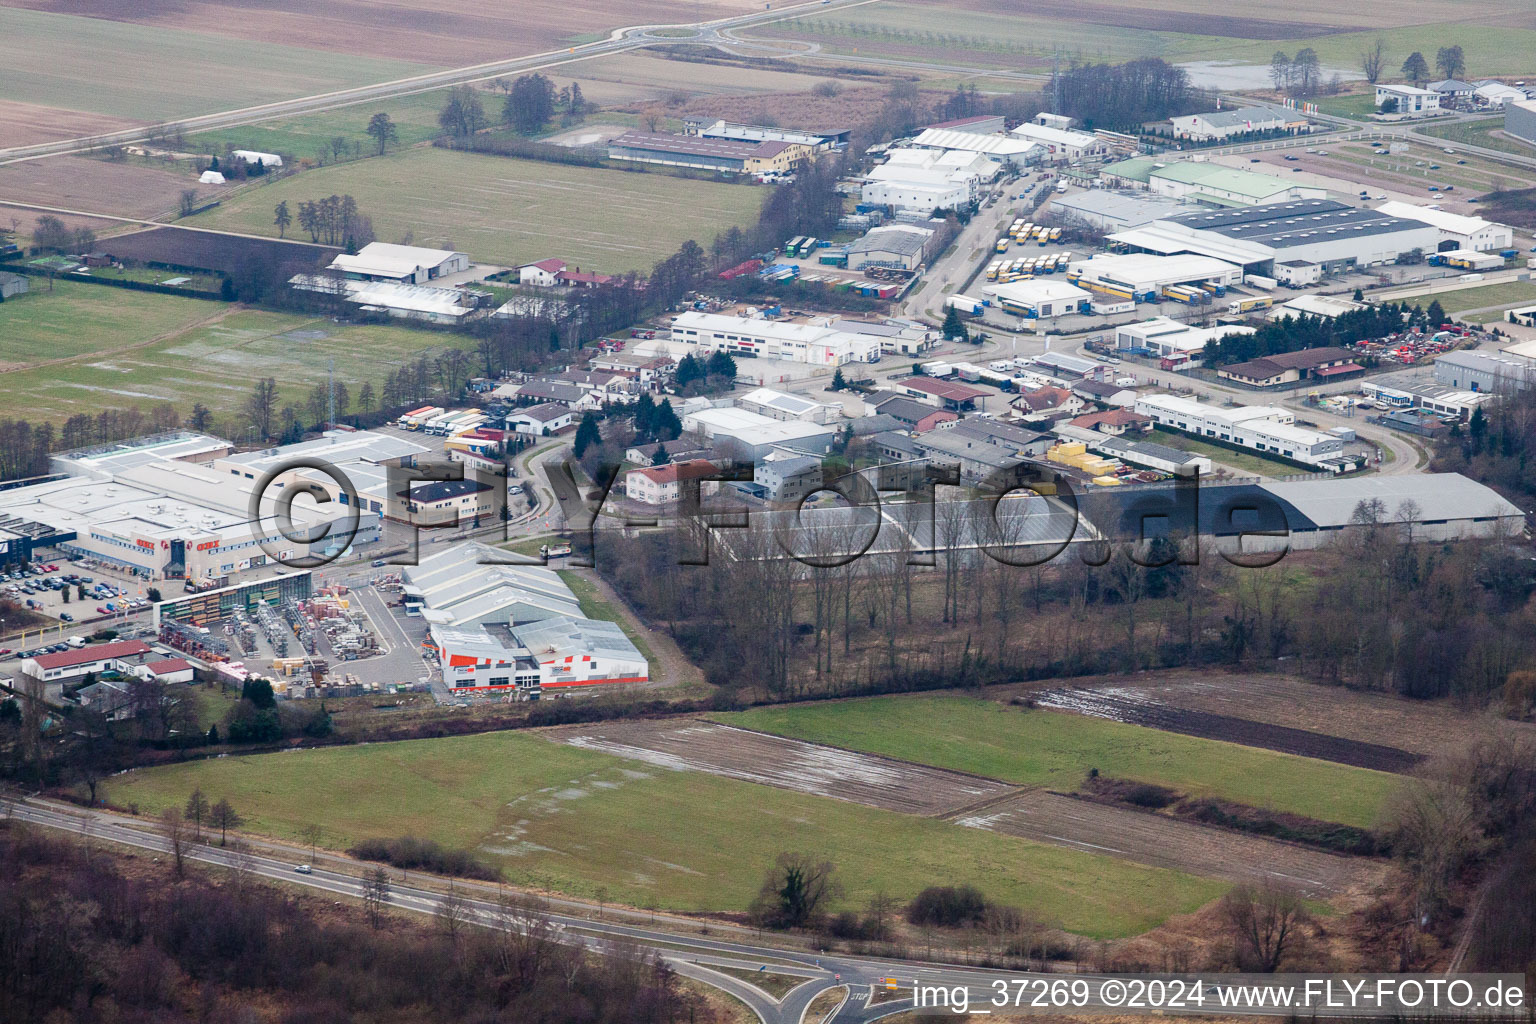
{"x": 410, "y": 852}
{"x": 945, "y": 906}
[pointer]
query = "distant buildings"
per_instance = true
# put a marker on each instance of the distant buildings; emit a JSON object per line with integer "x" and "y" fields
{"x": 1059, "y": 144}
{"x": 1205, "y": 182}
{"x": 1216, "y": 125}
{"x": 715, "y": 128}
{"x": 929, "y": 179}
{"x": 1261, "y": 428}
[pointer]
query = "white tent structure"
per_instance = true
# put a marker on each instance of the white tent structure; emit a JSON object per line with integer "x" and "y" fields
{"x": 211, "y": 178}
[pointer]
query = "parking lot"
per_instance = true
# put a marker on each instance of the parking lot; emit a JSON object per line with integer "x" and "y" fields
{"x": 74, "y": 594}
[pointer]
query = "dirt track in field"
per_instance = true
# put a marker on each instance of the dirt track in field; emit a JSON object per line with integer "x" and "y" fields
{"x": 1370, "y": 730}
{"x": 788, "y": 764}
{"x": 1166, "y": 843}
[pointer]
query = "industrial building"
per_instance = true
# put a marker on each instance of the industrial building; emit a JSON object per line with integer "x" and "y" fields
{"x": 1292, "y": 367}
{"x": 715, "y": 128}
{"x": 1480, "y": 371}
{"x": 818, "y": 342}
{"x": 748, "y": 437}
{"x": 1435, "y": 398}
{"x": 1216, "y": 125}
{"x": 786, "y": 475}
{"x": 1520, "y": 120}
{"x": 710, "y": 154}
{"x": 909, "y": 413}
{"x": 1040, "y": 299}
{"x": 1261, "y": 428}
{"x": 1006, "y": 149}
{"x": 1115, "y": 209}
{"x": 401, "y": 264}
{"x": 894, "y": 246}
{"x": 929, "y": 179}
{"x": 776, "y": 405}
{"x": 1141, "y": 277}
{"x": 1456, "y": 231}
{"x": 1059, "y": 145}
{"x": 941, "y": 394}
{"x": 1329, "y": 234}
{"x": 471, "y": 584}
{"x": 1205, "y": 183}
{"x": 1151, "y": 455}
{"x": 163, "y": 508}
{"x": 408, "y": 301}
{"x": 1170, "y": 339}
{"x": 1326, "y": 306}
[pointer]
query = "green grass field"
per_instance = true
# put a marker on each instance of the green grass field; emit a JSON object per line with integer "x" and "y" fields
{"x": 1056, "y": 749}
{"x": 308, "y": 135}
{"x": 76, "y": 318}
{"x": 576, "y": 822}
{"x": 1505, "y": 295}
{"x": 215, "y": 363}
{"x": 508, "y": 212}
{"x": 151, "y": 72}
{"x": 1359, "y": 105}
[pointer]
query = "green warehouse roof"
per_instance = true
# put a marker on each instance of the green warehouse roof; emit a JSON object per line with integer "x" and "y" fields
{"x": 1224, "y": 179}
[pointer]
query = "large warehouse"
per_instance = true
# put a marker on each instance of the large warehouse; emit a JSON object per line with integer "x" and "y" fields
{"x": 1141, "y": 277}
{"x": 163, "y": 508}
{"x": 709, "y": 154}
{"x": 748, "y": 436}
{"x": 513, "y": 628}
{"x": 929, "y": 179}
{"x": 1456, "y": 231}
{"x": 1216, "y": 185}
{"x": 1040, "y": 299}
{"x": 1520, "y": 120}
{"x": 1060, "y": 144}
{"x": 401, "y": 264}
{"x": 897, "y": 246}
{"x": 1115, "y": 210}
{"x": 817, "y": 342}
{"x": 1317, "y": 233}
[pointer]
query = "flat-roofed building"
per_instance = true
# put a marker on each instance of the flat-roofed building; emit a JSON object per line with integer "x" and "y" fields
{"x": 738, "y": 156}
{"x": 818, "y": 342}
{"x": 1261, "y": 428}
{"x": 777, "y": 405}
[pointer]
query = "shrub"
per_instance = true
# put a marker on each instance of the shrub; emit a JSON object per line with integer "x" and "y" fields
{"x": 411, "y": 852}
{"x": 947, "y": 906}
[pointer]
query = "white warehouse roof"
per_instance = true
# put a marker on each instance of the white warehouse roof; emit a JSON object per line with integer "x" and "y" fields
{"x": 1037, "y": 290}
{"x": 386, "y": 259}
{"x": 993, "y": 145}
{"x": 1454, "y": 223}
{"x": 751, "y": 427}
{"x": 1053, "y": 136}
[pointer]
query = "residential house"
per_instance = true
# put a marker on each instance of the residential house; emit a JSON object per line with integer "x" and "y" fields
{"x": 662, "y": 485}
{"x": 542, "y": 419}
{"x": 1290, "y": 367}
{"x": 1042, "y": 403}
{"x": 1115, "y": 422}
{"x": 786, "y": 476}
{"x": 912, "y": 415}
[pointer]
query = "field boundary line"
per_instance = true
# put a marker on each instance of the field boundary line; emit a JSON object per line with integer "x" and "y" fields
{"x": 985, "y": 803}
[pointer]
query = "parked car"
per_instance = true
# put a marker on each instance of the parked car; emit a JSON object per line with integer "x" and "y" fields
{"x": 101, "y": 610}
{"x": 66, "y": 617}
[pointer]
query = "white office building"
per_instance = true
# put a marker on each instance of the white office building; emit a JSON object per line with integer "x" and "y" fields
{"x": 1263, "y": 428}
{"x": 817, "y": 342}
{"x": 1060, "y": 145}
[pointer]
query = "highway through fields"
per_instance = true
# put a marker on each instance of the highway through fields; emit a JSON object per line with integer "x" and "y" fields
{"x": 689, "y": 953}
{"x": 708, "y": 33}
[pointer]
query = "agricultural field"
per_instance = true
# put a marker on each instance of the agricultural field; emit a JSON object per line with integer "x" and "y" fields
{"x": 452, "y": 33}
{"x": 1496, "y": 34}
{"x": 1185, "y": 701}
{"x": 74, "y": 319}
{"x": 1057, "y": 750}
{"x": 213, "y": 251}
{"x": 508, "y": 211}
{"x": 579, "y": 822}
{"x": 130, "y": 188}
{"x": 169, "y": 70}
{"x": 143, "y": 349}
{"x": 970, "y": 801}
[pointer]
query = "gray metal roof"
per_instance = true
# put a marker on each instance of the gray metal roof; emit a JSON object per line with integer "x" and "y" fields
{"x": 1439, "y": 496}
{"x": 567, "y": 636}
{"x": 1296, "y": 222}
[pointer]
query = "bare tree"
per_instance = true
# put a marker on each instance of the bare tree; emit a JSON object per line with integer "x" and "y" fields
{"x": 196, "y": 812}
{"x": 174, "y": 828}
{"x": 1372, "y": 60}
{"x": 453, "y": 914}
{"x": 1265, "y": 923}
{"x": 225, "y": 817}
{"x": 376, "y": 894}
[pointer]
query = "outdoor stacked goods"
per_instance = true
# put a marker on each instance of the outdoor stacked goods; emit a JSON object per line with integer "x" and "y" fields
{"x": 745, "y": 267}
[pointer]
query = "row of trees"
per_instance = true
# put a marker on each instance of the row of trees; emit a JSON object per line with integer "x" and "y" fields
{"x": 530, "y": 102}
{"x": 51, "y": 234}
{"x": 1295, "y": 333}
{"x": 334, "y": 220}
